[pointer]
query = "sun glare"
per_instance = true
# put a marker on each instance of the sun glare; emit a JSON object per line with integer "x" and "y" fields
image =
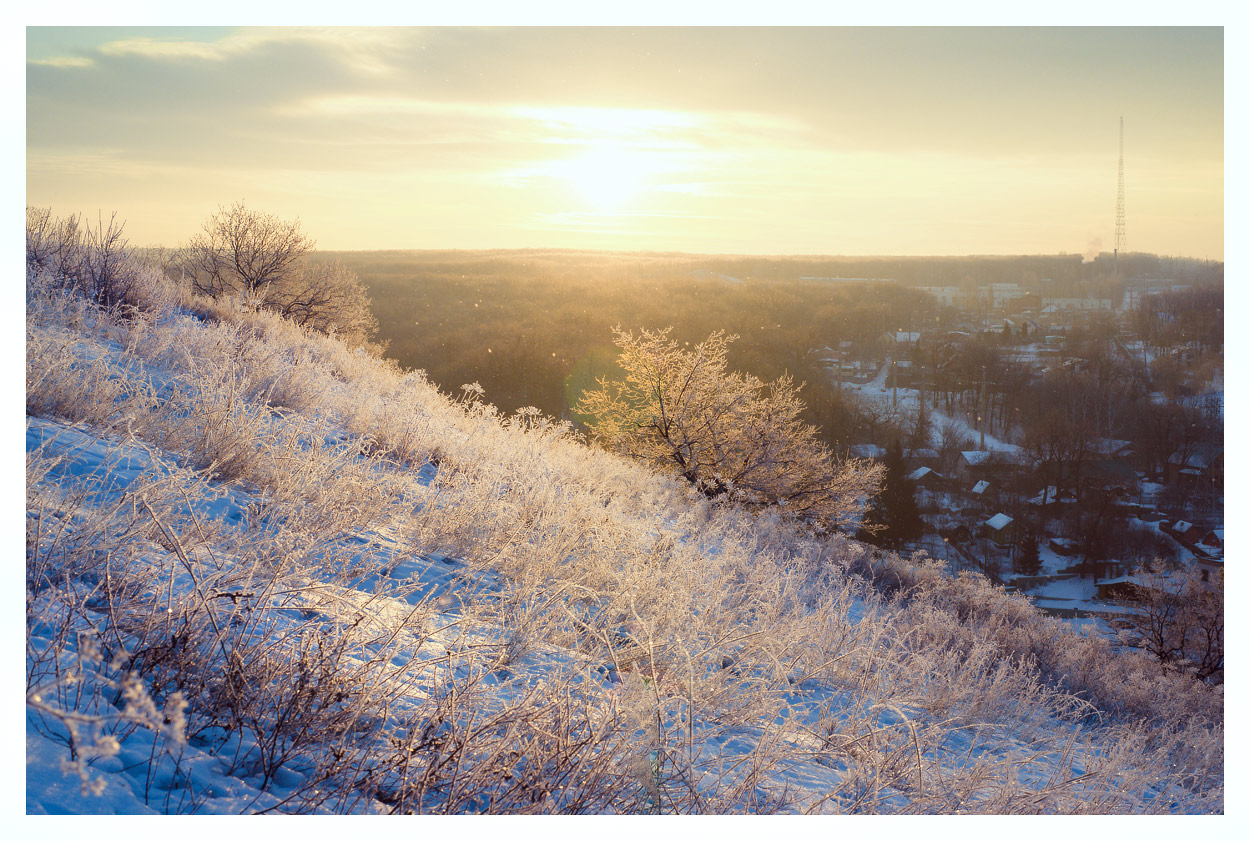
{"x": 608, "y": 176}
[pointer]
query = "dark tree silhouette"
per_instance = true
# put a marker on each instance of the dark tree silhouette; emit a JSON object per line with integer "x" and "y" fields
{"x": 1028, "y": 560}
{"x": 893, "y": 517}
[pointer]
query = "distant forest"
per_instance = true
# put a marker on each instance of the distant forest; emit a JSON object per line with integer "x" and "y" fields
{"x": 534, "y": 327}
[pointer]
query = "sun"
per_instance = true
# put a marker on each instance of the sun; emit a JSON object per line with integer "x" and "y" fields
{"x": 609, "y": 176}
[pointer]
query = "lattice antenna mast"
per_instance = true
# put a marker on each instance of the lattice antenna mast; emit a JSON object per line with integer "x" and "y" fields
{"x": 1119, "y": 205}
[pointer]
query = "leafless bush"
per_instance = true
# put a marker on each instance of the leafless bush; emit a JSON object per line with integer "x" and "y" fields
{"x": 54, "y": 244}
{"x": 262, "y": 260}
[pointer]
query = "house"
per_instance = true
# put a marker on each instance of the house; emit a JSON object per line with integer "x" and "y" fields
{"x": 925, "y": 477}
{"x": 1185, "y": 532}
{"x": 902, "y": 338}
{"x": 867, "y": 451}
{"x": 971, "y": 464}
{"x": 1121, "y": 589}
{"x": 1001, "y": 529}
{"x": 992, "y": 465}
{"x": 1213, "y": 539}
{"x": 999, "y": 294}
{"x": 948, "y": 295}
{"x": 1203, "y": 465}
{"x": 1194, "y": 538}
{"x": 1210, "y": 570}
{"x": 1112, "y": 475}
{"x": 1203, "y": 542}
{"x": 825, "y": 356}
{"x": 1113, "y": 448}
{"x": 1053, "y": 497}
{"x": 1055, "y": 306}
{"x": 1063, "y": 546}
{"x": 981, "y": 487}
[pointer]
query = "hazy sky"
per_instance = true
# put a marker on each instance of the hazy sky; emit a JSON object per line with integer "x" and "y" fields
{"x": 751, "y": 140}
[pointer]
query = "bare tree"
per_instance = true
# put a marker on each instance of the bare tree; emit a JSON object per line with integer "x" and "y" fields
{"x": 1060, "y": 428}
{"x": 1180, "y": 621}
{"x": 244, "y": 251}
{"x": 952, "y": 440}
{"x": 265, "y": 260}
{"x": 96, "y": 260}
{"x": 327, "y": 297}
{"x": 727, "y": 433}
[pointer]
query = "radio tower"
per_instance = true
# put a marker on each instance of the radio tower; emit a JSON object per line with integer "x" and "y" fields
{"x": 1119, "y": 205}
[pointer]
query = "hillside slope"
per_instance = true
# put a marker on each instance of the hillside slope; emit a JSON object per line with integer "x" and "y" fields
{"x": 269, "y": 574}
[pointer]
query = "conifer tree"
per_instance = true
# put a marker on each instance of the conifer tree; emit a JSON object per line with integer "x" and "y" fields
{"x": 893, "y": 517}
{"x": 1029, "y": 561}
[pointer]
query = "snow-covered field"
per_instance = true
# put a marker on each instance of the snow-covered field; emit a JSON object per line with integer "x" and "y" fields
{"x": 908, "y": 402}
{"x": 269, "y": 574}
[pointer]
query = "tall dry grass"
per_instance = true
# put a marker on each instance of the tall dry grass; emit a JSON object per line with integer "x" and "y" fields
{"x": 617, "y": 644}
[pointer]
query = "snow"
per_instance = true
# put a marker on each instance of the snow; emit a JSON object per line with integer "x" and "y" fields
{"x": 381, "y": 574}
{"x": 879, "y": 390}
{"x": 999, "y": 521}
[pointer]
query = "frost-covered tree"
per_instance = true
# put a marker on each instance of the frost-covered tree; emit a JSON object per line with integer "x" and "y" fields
{"x": 244, "y": 251}
{"x": 727, "y": 433}
{"x": 264, "y": 260}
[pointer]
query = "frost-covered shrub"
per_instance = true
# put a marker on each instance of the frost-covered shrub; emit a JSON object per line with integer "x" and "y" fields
{"x": 726, "y": 433}
{"x": 98, "y": 263}
{"x": 263, "y": 261}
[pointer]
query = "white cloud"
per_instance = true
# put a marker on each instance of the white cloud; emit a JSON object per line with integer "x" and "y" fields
{"x": 64, "y": 61}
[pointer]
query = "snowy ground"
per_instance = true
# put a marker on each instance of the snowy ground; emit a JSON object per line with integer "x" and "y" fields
{"x": 847, "y": 703}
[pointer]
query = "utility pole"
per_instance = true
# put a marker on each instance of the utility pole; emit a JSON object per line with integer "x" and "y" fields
{"x": 981, "y": 412}
{"x": 921, "y": 413}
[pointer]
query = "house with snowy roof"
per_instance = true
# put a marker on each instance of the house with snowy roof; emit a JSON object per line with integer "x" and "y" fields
{"x": 971, "y": 465}
{"x": 1201, "y": 541}
{"x": 1112, "y": 448}
{"x": 867, "y": 451}
{"x": 1202, "y": 465}
{"x": 1210, "y": 570}
{"x": 974, "y": 465}
{"x": 925, "y": 477}
{"x": 1186, "y": 531}
{"x": 902, "y": 337}
{"x": 1001, "y": 529}
{"x": 1213, "y": 539}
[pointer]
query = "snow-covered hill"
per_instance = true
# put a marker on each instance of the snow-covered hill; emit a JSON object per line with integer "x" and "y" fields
{"x": 266, "y": 573}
